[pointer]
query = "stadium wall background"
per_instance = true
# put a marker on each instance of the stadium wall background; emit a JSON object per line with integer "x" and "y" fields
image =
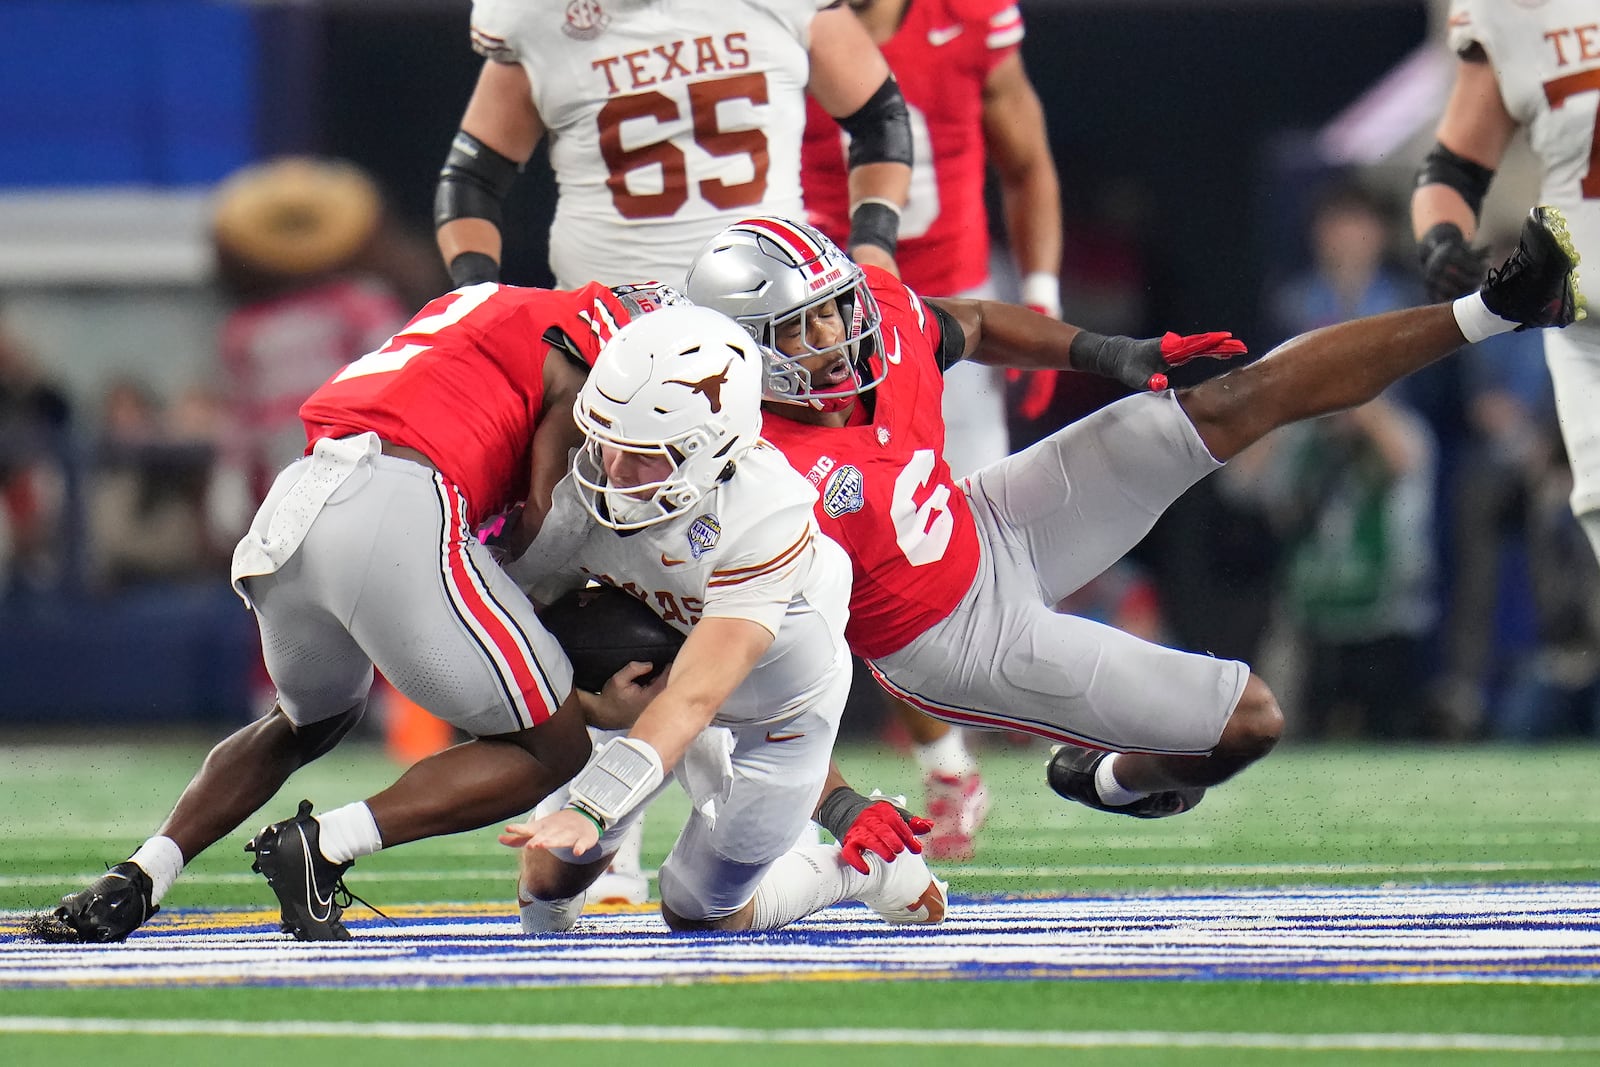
{"x": 1190, "y": 100}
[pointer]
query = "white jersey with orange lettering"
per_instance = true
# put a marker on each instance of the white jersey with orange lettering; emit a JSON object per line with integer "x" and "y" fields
{"x": 749, "y": 550}
{"x": 667, "y": 121}
{"x": 1546, "y": 58}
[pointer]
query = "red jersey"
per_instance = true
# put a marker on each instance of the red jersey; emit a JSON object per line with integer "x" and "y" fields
{"x": 942, "y": 56}
{"x": 885, "y": 493}
{"x": 276, "y": 351}
{"x": 463, "y": 383}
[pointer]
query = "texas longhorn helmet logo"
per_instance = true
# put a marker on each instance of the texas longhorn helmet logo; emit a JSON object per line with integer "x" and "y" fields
{"x": 710, "y": 387}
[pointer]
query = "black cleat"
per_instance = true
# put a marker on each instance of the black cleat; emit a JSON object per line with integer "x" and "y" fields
{"x": 109, "y": 909}
{"x": 1538, "y": 285}
{"x": 1071, "y": 774}
{"x": 310, "y": 887}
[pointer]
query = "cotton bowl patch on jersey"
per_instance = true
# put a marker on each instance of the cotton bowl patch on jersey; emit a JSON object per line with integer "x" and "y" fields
{"x": 844, "y": 492}
{"x": 704, "y": 533}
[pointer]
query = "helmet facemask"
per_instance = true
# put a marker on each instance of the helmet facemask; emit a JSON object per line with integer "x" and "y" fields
{"x": 787, "y": 379}
{"x": 768, "y": 273}
{"x": 649, "y": 503}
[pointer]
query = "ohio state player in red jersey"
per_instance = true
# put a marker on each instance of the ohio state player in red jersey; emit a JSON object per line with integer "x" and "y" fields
{"x": 363, "y": 554}
{"x": 970, "y": 103}
{"x": 954, "y": 580}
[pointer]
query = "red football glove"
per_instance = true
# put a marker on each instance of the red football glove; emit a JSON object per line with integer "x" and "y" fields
{"x": 1038, "y": 389}
{"x": 1177, "y": 349}
{"x": 1141, "y": 364}
{"x": 881, "y": 829}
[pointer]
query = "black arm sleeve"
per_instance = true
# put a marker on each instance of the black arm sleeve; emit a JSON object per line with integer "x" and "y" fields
{"x": 880, "y": 130}
{"x": 952, "y": 338}
{"x": 1443, "y": 167}
{"x": 473, "y": 182}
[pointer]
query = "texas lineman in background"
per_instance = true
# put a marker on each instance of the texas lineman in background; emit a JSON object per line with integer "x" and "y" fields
{"x": 675, "y": 498}
{"x": 970, "y": 103}
{"x": 667, "y": 121}
{"x": 1534, "y": 66}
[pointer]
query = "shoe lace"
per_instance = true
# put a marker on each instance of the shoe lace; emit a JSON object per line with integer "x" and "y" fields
{"x": 343, "y": 896}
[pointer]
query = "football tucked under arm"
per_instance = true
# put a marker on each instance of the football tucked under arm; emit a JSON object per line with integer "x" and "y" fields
{"x": 602, "y": 629}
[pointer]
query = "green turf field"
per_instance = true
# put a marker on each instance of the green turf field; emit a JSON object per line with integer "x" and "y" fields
{"x": 1305, "y": 817}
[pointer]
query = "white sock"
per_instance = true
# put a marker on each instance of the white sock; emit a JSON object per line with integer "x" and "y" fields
{"x": 804, "y": 881}
{"x": 1110, "y": 790}
{"x": 1590, "y": 521}
{"x": 348, "y": 833}
{"x": 1476, "y": 320}
{"x": 946, "y": 756}
{"x": 161, "y": 859}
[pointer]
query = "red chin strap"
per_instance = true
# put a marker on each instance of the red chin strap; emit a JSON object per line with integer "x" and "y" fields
{"x": 828, "y": 403}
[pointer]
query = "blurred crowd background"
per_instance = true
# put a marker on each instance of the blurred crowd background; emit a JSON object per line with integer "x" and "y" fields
{"x": 1408, "y": 570}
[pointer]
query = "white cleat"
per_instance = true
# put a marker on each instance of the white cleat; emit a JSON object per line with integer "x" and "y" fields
{"x": 905, "y": 891}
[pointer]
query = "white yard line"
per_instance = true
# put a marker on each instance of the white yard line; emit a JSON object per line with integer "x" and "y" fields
{"x": 719, "y": 1035}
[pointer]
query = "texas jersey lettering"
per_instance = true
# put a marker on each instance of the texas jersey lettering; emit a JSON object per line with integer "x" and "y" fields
{"x": 463, "y": 383}
{"x": 885, "y": 492}
{"x": 942, "y": 55}
{"x": 658, "y": 137}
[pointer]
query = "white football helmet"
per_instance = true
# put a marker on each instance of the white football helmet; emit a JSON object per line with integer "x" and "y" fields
{"x": 767, "y": 272}
{"x": 682, "y": 383}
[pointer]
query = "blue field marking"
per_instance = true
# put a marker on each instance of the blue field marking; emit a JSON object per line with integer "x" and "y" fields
{"x": 1546, "y": 933}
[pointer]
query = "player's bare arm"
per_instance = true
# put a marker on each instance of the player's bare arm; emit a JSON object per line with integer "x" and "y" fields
{"x": 716, "y": 657}
{"x": 852, "y": 82}
{"x": 553, "y": 441}
{"x": 1030, "y": 192}
{"x": 1005, "y": 335}
{"x": 500, "y": 127}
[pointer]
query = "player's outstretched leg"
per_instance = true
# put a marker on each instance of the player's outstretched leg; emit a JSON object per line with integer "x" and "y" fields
{"x": 108, "y": 909}
{"x": 1083, "y": 774}
{"x": 309, "y": 886}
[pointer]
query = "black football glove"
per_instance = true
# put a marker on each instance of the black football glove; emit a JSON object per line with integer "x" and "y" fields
{"x": 1450, "y": 266}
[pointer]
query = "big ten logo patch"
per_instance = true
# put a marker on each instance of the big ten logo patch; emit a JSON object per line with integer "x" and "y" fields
{"x": 819, "y": 470}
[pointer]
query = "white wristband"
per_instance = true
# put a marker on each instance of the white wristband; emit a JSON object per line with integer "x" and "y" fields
{"x": 1042, "y": 290}
{"x": 621, "y": 774}
{"x": 1476, "y": 320}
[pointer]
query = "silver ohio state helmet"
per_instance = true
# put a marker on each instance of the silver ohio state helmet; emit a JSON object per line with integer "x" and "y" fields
{"x": 682, "y": 383}
{"x": 767, "y": 272}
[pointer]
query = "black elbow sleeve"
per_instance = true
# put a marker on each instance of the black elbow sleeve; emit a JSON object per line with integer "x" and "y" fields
{"x": 880, "y": 130}
{"x": 1443, "y": 167}
{"x": 473, "y": 182}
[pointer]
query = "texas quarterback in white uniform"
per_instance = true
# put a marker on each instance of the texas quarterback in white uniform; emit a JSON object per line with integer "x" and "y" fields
{"x": 675, "y": 498}
{"x": 667, "y": 121}
{"x": 1535, "y": 66}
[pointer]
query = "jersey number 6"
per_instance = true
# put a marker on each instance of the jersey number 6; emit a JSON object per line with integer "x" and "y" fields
{"x": 921, "y": 530}
{"x": 704, "y": 96}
